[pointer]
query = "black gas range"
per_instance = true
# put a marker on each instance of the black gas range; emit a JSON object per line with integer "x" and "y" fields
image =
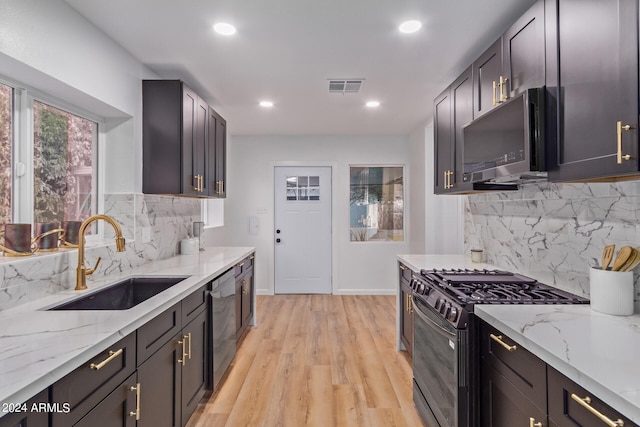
{"x": 446, "y": 350}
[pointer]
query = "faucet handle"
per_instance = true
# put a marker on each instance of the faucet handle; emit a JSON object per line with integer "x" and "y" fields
{"x": 90, "y": 271}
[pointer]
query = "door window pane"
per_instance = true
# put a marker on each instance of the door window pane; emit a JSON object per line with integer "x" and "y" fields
{"x": 303, "y": 188}
{"x": 64, "y": 171}
{"x": 377, "y": 203}
{"x": 6, "y": 118}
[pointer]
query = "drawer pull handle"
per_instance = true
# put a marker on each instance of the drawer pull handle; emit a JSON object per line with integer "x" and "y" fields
{"x": 585, "y": 403}
{"x": 137, "y": 412}
{"x": 498, "y": 339}
{"x": 251, "y": 257}
{"x": 240, "y": 264}
{"x": 183, "y": 342}
{"x": 112, "y": 355}
{"x": 533, "y": 423}
{"x": 403, "y": 268}
{"x": 619, "y": 129}
{"x": 189, "y": 351}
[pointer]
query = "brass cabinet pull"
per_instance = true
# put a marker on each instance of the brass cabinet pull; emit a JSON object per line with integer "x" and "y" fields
{"x": 240, "y": 264}
{"x": 137, "y": 412}
{"x": 533, "y": 423}
{"x": 251, "y": 257}
{"x": 403, "y": 268}
{"x": 585, "y": 403}
{"x": 619, "y": 129}
{"x": 494, "y": 98}
{"x": 410, "y": 299}
{"x": 189, "y": 351}
{"x": 183, "y": 342}
{"x": 112, "y": 355}
{"x": 498, "y": 339}
{"x": 503, "y": 83}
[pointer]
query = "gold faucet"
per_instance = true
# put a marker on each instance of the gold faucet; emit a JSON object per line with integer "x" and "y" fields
{"x": 82, "y": 271}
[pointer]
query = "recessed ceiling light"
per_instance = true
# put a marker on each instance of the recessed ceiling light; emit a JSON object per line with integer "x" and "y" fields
{"x": 266, "y": 104}
{"x": 408, "y": 27}
{"x": 373, "y": 104}
{"x": 224, "y": 29}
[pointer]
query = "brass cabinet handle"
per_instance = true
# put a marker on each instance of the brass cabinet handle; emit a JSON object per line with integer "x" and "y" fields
{"x": 403, "y": 268}
{"x": 533, "y": 423}
{"x": 240, "y": 264}
{"x": 410, "y": 305}
{"x": 137, "y": 412}
{"x": 195, "y": 183}
{"x": 503, "y": 83}
{"x": 498, "y": 339}
{"x": 183, "y": 342}
{"x": 585, "y": 403}
{"x": 494, "y": 98}
{"x": 188, "y": 336}
{"x": 112, "y": 355}
{"x": 251, "y": 257}
{"x": 619, "y": 129}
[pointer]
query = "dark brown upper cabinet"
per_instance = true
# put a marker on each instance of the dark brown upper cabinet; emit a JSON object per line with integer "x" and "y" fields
{"x": 183, "y": 151}
{"x": 592, "y": 88}
{"x": 452, "y": 110}
{"x": 513, "y": 63}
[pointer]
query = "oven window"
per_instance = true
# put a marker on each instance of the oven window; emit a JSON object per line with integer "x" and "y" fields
{"x": 435, "y": 364}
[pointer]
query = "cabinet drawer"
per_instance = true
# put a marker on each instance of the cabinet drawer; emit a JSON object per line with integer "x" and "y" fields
{"x": 194, "y": 304}
{"x": 118, "y": 409}
{"x": 244, "y": 265}
{"x": 27, "y": 417}
{"x": 566, "y": 410}
{"x": 90, "y": 383}
{"x": 153, "y": 335}
{"x": 523, "y": 369}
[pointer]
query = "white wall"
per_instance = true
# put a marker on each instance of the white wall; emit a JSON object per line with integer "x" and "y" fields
{"x": 48, "y": 46}
{"x": 444, "y": 214}
{"x": 359, "y": 267}
{"x": 417, "y": 193}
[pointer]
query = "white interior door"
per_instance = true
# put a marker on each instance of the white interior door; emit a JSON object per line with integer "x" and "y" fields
{"x": 302, "y": 238}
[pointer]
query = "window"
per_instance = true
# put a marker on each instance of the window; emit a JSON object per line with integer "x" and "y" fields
{"x": 377, "y": 203}
{"x": 53, "y": 151}
{"x": 63, "y": 172}
{"x": 6, "y": 124}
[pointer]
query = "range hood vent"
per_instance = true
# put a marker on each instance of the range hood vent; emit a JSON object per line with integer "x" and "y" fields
{"x": 345, "y": 85}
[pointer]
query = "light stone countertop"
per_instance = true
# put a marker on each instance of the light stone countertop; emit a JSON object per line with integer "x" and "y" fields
{"x": 600, "y": 352}
{"x": 38, "y": 347}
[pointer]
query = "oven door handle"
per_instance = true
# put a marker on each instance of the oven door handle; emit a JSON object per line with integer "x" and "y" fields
{"x": 426, "y": 318}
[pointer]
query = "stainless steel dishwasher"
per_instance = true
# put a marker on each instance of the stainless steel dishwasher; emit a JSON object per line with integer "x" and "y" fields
{"x": 223, "y": 325}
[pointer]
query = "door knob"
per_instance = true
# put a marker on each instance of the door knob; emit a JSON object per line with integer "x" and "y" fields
{"x": 278, "y": 231}
{"x": 278, "y": 240}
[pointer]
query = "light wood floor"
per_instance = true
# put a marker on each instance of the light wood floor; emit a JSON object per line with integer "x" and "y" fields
{"x": 316, "y": 360}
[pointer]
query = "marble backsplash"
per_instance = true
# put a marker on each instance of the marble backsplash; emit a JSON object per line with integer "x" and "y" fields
{"x": 168, "y": 218}
{"x": 554, "y": 232}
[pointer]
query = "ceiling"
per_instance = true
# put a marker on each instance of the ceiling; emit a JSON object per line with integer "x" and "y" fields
{"x": 285, "y": 50}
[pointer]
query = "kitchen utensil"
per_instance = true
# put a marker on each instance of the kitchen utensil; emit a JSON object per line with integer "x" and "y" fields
{"x": 623, "y": 256}
{"x": 632, "y": 263}
{"x": 607, "y": 256}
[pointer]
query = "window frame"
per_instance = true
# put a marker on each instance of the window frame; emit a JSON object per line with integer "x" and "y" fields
{"x": 22, "y": 191}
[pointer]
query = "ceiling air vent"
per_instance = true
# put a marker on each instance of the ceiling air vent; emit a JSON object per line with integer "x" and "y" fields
{"x": 345, "y": 86}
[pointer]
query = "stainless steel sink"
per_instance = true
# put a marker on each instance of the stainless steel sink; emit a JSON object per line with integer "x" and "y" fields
{"x": 123, "y": 294}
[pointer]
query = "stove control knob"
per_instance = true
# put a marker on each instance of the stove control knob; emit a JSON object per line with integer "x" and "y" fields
{"x": 453, "y": 314}
{"x": 445, "y": 308}
{"x": 438, "y": 304}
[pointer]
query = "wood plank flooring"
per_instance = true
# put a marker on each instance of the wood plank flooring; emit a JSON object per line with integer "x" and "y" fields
{"x": 316, "y": 360}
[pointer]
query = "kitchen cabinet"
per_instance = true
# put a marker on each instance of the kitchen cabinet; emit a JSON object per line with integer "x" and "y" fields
{"x": 518, "y": 388}
{"x": 174, "y": 377}
{"x": 453, "y": 109}
{"x": 513, "y": 382}
{"x": 22, "y": 415}
{"x": 89, "y": 384}
{"x": 244, "y": 295}
{"x": 118, "y": 409}
{"x": 592, "y": 88}
{"x": 406, "y": 316}
{"x": 217, "y": 154}
{"x": 175, "y": 140}
{"x": 513, "y": 63}
{"x": 572, "y": 406}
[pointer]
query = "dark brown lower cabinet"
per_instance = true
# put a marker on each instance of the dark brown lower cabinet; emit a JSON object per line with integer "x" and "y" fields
{"x": 118, "y": 409}
{"x": 244, "y": 301}
{"x": 194, "y": 370}
{"x": 504, "y": 405}
{"x": 572, "y": 406}
{"x": 23, "y": 415}
{"x": 160, "y": 378}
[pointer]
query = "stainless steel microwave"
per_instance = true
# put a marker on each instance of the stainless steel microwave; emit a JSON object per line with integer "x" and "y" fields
{"x": 507, "y": 144}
